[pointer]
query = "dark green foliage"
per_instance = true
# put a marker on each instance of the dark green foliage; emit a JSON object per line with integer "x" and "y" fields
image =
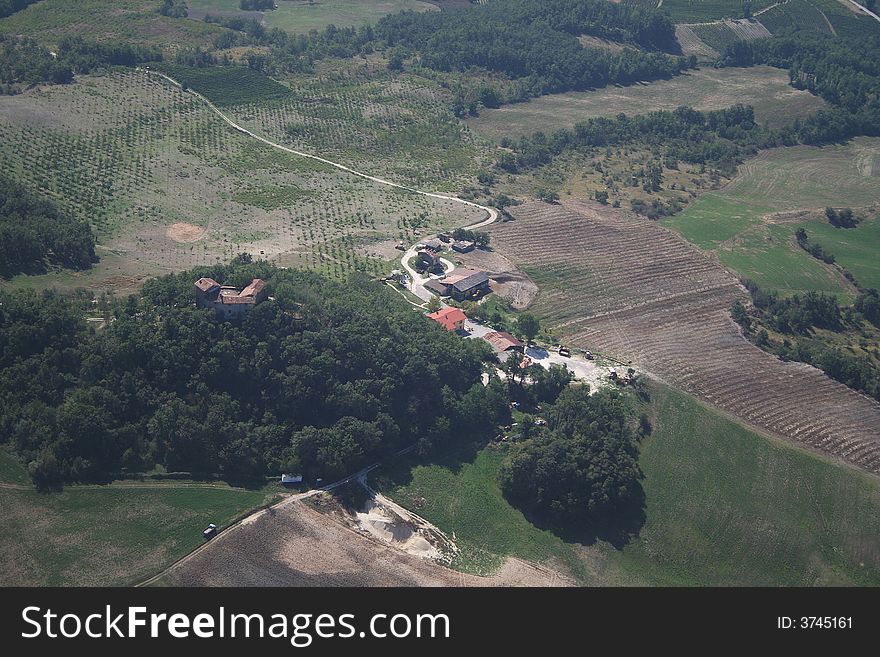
{"x": 85, "y": 56}
{"x": 721, "y": 138}
{"x": 583, "y": 467}
{"x": 231, "y": 85}
{"x": 323, "y": 379}
{"x": 528, "y": 326}
{"x": 797, "y": 316}
{"x": 841, "y": 218}
{"x": 9, "y": 7}
{"x": 257, "y": 5}
{"x": 174, "y": 8}
{"x": 24, "y": 62}
{"x": 33, "y": 233}
{"x": 480, "y": 238}
{"x": 868, "y": 304}
{"x": 537, "y": 43}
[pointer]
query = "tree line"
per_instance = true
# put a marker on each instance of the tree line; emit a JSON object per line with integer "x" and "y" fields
{"x": 34, "y": 233}
{"x": 720, "y": 138}
{"x": 796, "y": 319}
{"x": 23, "y": 62}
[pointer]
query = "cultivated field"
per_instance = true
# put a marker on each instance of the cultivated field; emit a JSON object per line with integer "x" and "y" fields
{"x": 692, "y": 11}
{"x": 132, "y": 21}
{"x": 295, "y": 545}
{"x": 724, "y": 33}
{"x": 750, "y": 223}
{"x": 765, "y": 88}
{"x": 707, "y": 521}
{"x": 621, "y": 285}
{"x": 301, "y": 16}
{"x": 168, "y": 185}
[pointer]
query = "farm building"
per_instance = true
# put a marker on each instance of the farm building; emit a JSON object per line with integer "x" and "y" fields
{"x": 469, "y": 287}
{"x": 452, "y": 319}
{"x": 463, "y": 247}
{"x": 429, "y": 260}
{"x": 438, "y": 287}
{"x": 502, "y": 341}
{"x": 433, "y": 244}
{"x": 228, "y": 301}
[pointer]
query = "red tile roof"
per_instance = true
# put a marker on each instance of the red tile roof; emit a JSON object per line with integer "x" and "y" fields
{"x": 205, "y": 284}
{"x": 448, "y": 317}
{"x": 254, "y": 288}
{"x": 502, "y": 340}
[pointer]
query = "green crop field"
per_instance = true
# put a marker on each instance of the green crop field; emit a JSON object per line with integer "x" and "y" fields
{"x": 106, "y": 535}
{"x": 750, "y": 224}
{"x": 707, "y": 482}
{"x": 765, "y": 88}
{"x": 228, "y": 86}
{"x": 302, "y": 16}
{"x": 798, "y": 14}
{"x": 132, "y": 21}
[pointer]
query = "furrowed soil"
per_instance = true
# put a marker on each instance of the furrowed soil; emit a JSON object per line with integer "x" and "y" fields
{"x": 620, "y": 285}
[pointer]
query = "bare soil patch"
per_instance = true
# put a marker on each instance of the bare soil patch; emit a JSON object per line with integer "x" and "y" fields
{"x": 184, "y": 232}
{"x": 507, "y": 281}
{"x": 294, "y": 545}
{"x": 622, "y": 285}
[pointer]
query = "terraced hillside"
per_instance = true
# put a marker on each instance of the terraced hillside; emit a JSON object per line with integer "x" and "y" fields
{"x": 618, "y": 284}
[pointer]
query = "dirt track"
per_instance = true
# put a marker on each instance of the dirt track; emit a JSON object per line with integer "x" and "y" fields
{"x": 637, "y": 291}
{"x": 294, "y": 545}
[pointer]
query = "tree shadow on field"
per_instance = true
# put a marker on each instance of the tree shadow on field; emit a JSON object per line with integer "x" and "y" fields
{"x": 617, "y": 528}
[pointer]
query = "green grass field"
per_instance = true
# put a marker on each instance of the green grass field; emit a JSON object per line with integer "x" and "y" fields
{"x": 302, "y": 16}
{"x": 742, "y": 224}
{"x": 765, "y": 88}
{"x": 106, "y": 535}
{"x": 707, "y": 482}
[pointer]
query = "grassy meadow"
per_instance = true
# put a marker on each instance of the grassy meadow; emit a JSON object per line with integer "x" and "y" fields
{"x": 765, "y": 88}
{"x": 750, "y": 223}
{"x": 707, "y": 482}
{"x": 106, "y": 535}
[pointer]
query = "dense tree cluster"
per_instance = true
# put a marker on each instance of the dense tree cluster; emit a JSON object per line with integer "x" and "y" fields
{"x": 534, "y": 43}
{"x": 479, "y": 237}
{"x": 256, "y": 5}
{"x": 720, "y": 139}
{"x": 24, "y": 63}
{"x": 322, "y": 379}
{"x": 9, "y": 7}
{"x": 843, "y": 218}
{"x": 174, "y": 8}
{"x": 797, "y": 317}
{"x": 33, "y": 232}
{"x": 583, "y": 466}
{"x": 537, "y": 43}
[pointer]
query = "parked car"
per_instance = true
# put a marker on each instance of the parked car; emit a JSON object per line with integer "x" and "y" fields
{"x": 588, "y": 354}
{"x": 210, "y": 531}
{"x": 564, "y": 351}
